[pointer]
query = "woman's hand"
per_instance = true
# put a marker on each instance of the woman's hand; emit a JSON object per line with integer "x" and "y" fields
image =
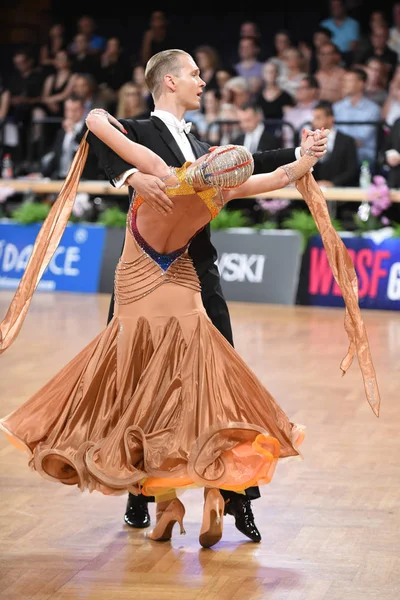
{"x": 152, "y": 190}
{"x": 100, "y": 112}
{"x": 314, "y": 141}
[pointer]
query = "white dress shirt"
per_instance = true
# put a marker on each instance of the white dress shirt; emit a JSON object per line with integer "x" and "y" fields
{"x": 69, "y": 148}
{"x": 252, "y": 138}
{"x": 176, "y": 128}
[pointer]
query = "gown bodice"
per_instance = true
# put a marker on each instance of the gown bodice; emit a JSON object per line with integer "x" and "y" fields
{"x": 150, "y": 269}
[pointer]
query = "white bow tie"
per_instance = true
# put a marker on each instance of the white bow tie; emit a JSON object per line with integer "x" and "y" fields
{"x": 184, "y": 127}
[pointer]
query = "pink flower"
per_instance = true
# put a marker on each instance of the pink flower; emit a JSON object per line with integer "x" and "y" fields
{"x": 273, "y": 206}
{"x": 378, "y": 195}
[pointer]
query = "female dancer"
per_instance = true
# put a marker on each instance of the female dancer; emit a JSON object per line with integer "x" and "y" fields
{"x": 159, "y": 401}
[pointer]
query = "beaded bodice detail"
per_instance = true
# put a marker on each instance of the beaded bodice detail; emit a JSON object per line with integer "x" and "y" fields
{"x": 151, "y": 269}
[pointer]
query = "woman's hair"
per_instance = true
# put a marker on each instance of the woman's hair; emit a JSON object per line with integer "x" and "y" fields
{"x": 166, "y": 61}
{"x": 126, "y": 89}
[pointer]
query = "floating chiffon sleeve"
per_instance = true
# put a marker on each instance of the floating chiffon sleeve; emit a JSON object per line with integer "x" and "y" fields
{"x": 345, "y": 276}
{"x": 44, "y": 247}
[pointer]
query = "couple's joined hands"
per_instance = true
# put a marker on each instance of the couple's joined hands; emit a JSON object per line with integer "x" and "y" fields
{"x": 152, "y": 189}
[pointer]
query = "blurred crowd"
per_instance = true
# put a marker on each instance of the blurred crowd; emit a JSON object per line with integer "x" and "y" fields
{"x": 344, "y": 78}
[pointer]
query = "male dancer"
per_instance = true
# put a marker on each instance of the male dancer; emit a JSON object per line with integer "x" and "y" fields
{"x": 173, "y": 78}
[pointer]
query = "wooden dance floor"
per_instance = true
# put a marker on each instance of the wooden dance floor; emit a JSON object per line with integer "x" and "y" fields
{"x": 330, "y": 522}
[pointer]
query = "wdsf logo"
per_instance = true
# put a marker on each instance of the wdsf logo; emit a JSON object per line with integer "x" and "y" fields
{"x": 241, "y": 267}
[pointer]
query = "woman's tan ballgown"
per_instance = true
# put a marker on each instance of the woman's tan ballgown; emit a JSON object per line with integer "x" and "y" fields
{"x": 159, "y": 399}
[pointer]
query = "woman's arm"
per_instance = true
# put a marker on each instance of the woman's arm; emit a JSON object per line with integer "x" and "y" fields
{"x": 278, "y": 179}
{"x": 102, "y": 124}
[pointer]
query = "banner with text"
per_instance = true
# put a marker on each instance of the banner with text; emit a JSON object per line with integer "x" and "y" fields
{"x": 75, "y": 266}
{"x": 259, "y": 266}
{"x": 377, "y": 263}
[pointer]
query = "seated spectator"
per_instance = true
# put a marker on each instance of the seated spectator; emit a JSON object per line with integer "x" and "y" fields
{"x": 339, "y": 167}
{"x": 139, "y": 80}
{"x": 87, "y": 26}
{"x": 378, "y": 48}
{"x": 329, "y": 73}
{"x": 376, "y": 88}
{"x": 204, "y": 119}
{"x": 377, "y": 19}
{"x": 252, "y": 30}
{"x": 300, "y": 115}
{"x": 115, "y": 70}
{"x": 356, "y": 107}
{"x": 57, "y": 88}
{"x": 392, "y": 156}
{"x": 55, "y": 164}
{"x": 394, "y": 31}
{"x": 294, "y": 72}
{"x": 8, "y": 131}
{"x": 229, "y": 128}
{"x": 208, "y": 60}
{"x": 254, "y": 136}
{"x": 272, "y": 98}
{"x": 130, "y": 103}
{"x": 223, "y": 75}
{"x": 48, "y": 51}
{"x": 321, "y": 36}
{"x": 85, "y": 86}
{"x": 25, "y": 87}
{"x": 157, "y": 37}
{"x": 346, "y": 31}
{"x": 391, "y": 108}
{"x": 282, "y": 42}
{"x": 249, "y": 67}
{"x": 236, "y": 91}
{"x": 83, "y": 60}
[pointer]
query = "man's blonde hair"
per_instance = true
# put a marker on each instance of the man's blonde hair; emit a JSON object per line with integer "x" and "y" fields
{"x": 159, "y": 65}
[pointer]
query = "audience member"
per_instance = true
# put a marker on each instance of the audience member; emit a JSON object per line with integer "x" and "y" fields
{"x": 208, "y": 60}
{"x": 25, "y": 86}
{"x": 85, "y": 86}
{"x": 282, "y": 42}
{"x": 376, "y": 87}
{"x": 329, "y": 73}
{"x": 254, "y": 136}
{"x": 346, "y": 31}
{"x": 300, "y": 115}
{"x": 394, "y": 31}
{"x": 157, "y": 37}
{"x": 378, "y": 48}
{"x": 130, "y": 103}
{"x": 249, "y": 67}
{"x": 48, "y": 51}
{"x": 392, "y": 155}
{"x": 321, "y": 36}
{"x": 356, "y": 107}
{"x": 294, "y": 72}
{"x": 391, "y": 107}
{"x": 83, "y": 60}
{"x": 115, "y": 70}
{"x": 87, "y": 26}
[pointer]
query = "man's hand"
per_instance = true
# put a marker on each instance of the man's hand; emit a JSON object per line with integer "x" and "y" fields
{"x": 152, "y": 190}
{"x": 320, "y": 141}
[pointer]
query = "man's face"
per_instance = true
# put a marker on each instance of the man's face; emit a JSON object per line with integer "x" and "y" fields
{"x": 73, "y": 111}
{"x": 248, "y": 120}
{"x": 320, "y": 119}
{"x": 352, "y": 84}
{"x": 188, "y": 84}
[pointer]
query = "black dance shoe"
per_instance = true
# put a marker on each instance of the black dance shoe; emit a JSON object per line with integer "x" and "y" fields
{"x": 137, "y": 512}
{"x": 240, "y": 509}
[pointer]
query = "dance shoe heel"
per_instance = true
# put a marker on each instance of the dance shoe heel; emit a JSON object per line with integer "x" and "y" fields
{"x": 213, "y": 514}
{"x": 174, "y": 513}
